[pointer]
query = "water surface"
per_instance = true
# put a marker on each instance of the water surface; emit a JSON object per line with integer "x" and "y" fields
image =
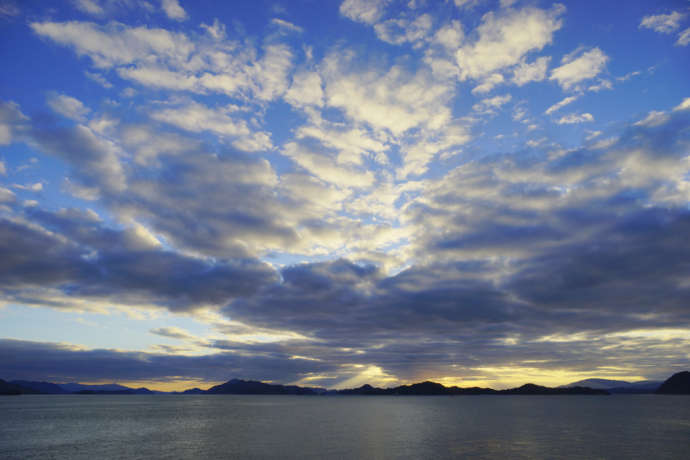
{"x": 347, "y": 427}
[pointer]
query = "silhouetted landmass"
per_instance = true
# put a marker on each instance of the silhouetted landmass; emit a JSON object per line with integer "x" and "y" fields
{"x": 432, "y": 388}
{"x": 45, "y": 388}
{"x": 677, "y": 384}
{"x": 77, "y": 387}
{"x": 192, "y": 391}
{"x": 532, "y": 389}
{"x": 7, "y": 388}
{"x": 422, "y": 389}
{"x": 250, "y": 387}
{"x": 617, "y": 386}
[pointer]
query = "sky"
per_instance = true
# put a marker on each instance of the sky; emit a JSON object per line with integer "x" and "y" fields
{"x": 332, "y": 193}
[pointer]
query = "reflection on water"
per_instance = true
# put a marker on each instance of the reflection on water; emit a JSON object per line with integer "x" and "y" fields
{"x": 225, "y": 426}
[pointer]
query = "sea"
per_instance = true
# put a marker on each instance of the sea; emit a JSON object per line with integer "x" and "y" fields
{"x": 344, "y": 427}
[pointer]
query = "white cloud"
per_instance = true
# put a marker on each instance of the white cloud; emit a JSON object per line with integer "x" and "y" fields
{"x": 173, "y": 10}
{"x": 505, "y": 38}
{"x": 68, "y": 106}
{"x": 323, "y": 167}
{"x": 7, "y": 195}
{"x": 162, "y": 59}
{"x": 593, "y": 134}
{"x": 98, "y": 78}
{"x": 36, "y": 187}
{"x": 402, "y": 30}
{"x": 366, "y": 11}
{"x": 488, "y": 83}
{"x": 89, "y": 6}
{"x": 560, "y": 104}
{"x": 654, "y": 118}
{"x": 684, "y": 37}
{"x": 600, "y": 85}
{"x": 352, "y": 144}
{"x": 196, "y": 117}
{"x": 535, "y": 71}
{"x": 215, "y": 30}
{"x": 3, "y": 168}
{"x": 575, "y": 118}
{"x": 684, "y": 105}
{"x": 489, "y": 104}
{"x": 306, "y": 89}
{"x": 272, "y": 71}
{"x": 287, "y": 25}
{"x": 576, "y": 69}
{"x": 393, "y": 100}
{"x": 662, "y": 23}
{"x": 450, "y": 36}
{"x": 467, "y": 3}
{"x": 116, "y": 44}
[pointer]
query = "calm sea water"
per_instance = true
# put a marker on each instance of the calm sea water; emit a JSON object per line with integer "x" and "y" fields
{"x": 356, "y": 427}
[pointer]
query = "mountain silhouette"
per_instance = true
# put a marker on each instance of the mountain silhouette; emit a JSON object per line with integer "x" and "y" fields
{"x": 677, "y": 384}
{"x": 251, "y": 387}
{"x": 45, "y": 388}
{"x": 617, "y": 386}
{"x": 7, "y": 388}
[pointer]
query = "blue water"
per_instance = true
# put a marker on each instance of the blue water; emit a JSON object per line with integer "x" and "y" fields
{"x": 347, "y": 427}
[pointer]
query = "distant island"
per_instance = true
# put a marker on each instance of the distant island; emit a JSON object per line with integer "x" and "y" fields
{"x": 678, "y": 383}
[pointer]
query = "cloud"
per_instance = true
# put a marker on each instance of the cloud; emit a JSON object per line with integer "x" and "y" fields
{"x": 578, "y": 66}
{"x": 684, "y": 105}
{"x": 392, "y": 99}
{"x": 560, "y": 104}
{"x": 488, "y": 83}
{"x": 654, "y": 118}
{"x": 287, "y": 25}
{"x": 306, "y": 89}
{"x": 503, "y": 39}
{"x": 536, "y": 71}
{"x": 467, "y": 3}
{"x": 94, "y": 159}
{"x": 575, "y": 118}
{"x": 7, "y": 195}
{"x": 68, "y": 106}
{"x": 489, "y": 104}
{"x": 89, "y": 6}
{"x": 498, "y": 268}
{"x": 196, "y": 117}
{"x": 12, "y": 122}
{"x": 683, "y": 38}
{"x": 366, "y": 11}
{"x": 158, "y": 58}
{"x": 64, "y": 362}
{"x": 69, "y": 255}
{"x": 173, "y": 10}
{"x": 172, "y": 332}
{"x": 662, "y": 23}
{"x": 450, "y": 36}
{"x": 404, "y": 30}
{"x": 326, "y": 169}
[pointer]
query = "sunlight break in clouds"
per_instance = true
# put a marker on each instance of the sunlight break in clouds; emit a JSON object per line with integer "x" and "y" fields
{"x": 340, "y": 193}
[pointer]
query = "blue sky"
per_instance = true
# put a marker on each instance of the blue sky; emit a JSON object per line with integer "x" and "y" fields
{"x": 332, "y": 193}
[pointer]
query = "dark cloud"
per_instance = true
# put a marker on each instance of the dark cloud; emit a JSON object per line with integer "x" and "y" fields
{"x": 76, "y": 255}
{"x": 33, "y": 360}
